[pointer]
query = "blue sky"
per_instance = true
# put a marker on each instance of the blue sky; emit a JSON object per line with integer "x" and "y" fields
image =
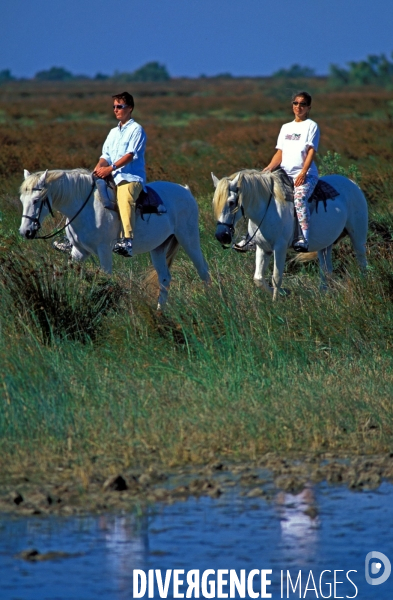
{"x": 191, "y": 37}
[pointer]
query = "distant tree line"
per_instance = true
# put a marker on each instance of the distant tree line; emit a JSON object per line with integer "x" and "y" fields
{"x": 152, "y": 71}
{"x": 375, "y": 70}
{"x": 294, "y": 72}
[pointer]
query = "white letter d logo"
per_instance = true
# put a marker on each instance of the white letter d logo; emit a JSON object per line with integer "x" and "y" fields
{"x": 375, "y": 567}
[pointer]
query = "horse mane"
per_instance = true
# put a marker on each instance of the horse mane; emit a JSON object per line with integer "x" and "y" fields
{"x": 252, "y": 185}
{"x": 65, "y": 182}
{"x": 221, "y": 196}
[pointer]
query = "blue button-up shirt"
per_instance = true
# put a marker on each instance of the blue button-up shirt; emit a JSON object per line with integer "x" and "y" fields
{"x": 123, "y": 140}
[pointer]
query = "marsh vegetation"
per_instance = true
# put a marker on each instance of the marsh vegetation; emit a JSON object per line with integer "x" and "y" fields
{"x": 93, "y": 378}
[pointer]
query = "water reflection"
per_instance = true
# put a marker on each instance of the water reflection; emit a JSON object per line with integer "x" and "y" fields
{"x": 127, "y": 547}
{"x": 299, "y": 524}
{"x": 232, "y": 532}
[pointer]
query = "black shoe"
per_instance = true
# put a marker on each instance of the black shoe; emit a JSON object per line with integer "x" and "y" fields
{"x": 123, "y": 247}
{"x": 244, "y": 245}
{"x": 63, "y": 245}
{"x": 300, "y": 245}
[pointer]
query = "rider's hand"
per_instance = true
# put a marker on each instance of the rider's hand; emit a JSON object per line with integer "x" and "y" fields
{"x": 103, "y": 172}
{"x": 300, "y": 179}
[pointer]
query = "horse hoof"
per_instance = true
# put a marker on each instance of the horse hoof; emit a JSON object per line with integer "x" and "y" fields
{"x": 285, "y": 292}
{"x": 263, "y": 286}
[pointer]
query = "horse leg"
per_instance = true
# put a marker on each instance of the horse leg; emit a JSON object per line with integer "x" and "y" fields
{"x": 357, "y": 228}
{"x": 262, "y": 260}
{"x": 280, "y": 253}
{"x": 359, "y": 245}
{"x": 79, "y": 254}
{"x": 104, "y": 253}
{"x": 191, "y": 245}
{"x": 158, "y": 258}
{"x": 325, "y": 266}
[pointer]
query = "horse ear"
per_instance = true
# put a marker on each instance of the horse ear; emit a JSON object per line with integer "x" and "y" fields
{"x": 41, "y": 181}
{"x": 234, "y": 182}
{"x": 26, "y": 173}
{"x": 215, "y": 180}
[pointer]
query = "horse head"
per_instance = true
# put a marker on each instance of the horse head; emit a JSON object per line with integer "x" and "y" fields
{"x": 34, "y": 198}
{"x": 226, "y": 207}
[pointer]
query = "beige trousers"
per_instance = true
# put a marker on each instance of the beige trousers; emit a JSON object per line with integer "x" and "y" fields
{"x": 127, "y": 195}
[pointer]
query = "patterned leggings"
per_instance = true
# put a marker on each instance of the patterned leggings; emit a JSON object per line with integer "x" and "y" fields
{"x": 301, "y": 195}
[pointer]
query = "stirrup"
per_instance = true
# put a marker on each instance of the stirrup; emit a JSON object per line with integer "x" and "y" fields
{"x": 62, "y": 245}
{"x": 244, "y": 245}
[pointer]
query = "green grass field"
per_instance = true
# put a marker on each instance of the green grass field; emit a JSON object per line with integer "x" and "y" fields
{"x": 91, "y": 375}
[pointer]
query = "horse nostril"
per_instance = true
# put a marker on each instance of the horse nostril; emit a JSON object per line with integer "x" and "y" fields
{"x": 224, "y": 237}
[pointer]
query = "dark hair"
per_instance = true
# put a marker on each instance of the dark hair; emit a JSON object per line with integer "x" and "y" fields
{"x": 126, "y": 97}
{"x": 304, "y": 95}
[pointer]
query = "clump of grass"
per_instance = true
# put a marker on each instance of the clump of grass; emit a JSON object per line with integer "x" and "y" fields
{"x": 330, "y": 164}
{"x": 57, "y": 302}
{"x": 227, "y": 374}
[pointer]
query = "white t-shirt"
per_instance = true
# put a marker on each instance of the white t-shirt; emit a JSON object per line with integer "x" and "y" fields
{"x": 294, "y": 140}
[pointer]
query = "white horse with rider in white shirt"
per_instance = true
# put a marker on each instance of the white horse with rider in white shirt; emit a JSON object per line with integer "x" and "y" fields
{"x": 260, "y": 197}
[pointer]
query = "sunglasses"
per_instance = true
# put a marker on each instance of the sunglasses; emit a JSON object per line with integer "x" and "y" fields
{"x": 302, "y": 104}
{"x": 119, "y": 106}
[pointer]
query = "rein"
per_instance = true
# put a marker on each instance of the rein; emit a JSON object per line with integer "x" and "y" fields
{"x": 46, "y": 201}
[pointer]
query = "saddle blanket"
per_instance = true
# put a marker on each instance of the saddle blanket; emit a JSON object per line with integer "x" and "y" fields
{"x": 148, "y": 201}
{"x": 323, "y": 191}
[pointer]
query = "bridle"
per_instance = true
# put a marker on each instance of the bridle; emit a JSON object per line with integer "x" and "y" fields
{"x": 45, "y": 201}
{"x": 231, "y": 226}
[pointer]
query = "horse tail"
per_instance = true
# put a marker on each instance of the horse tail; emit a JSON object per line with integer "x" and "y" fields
{"x": 150, "y": 281}
{"x": 305, "y": 257}
{"x": 172, "y": 250}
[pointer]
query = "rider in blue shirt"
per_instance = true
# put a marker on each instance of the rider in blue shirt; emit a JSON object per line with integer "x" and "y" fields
{"x": 123, "y": 158}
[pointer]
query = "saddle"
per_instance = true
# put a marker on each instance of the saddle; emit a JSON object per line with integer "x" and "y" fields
{"x": 323, "y": 191}
{"x": 148, "y": 202}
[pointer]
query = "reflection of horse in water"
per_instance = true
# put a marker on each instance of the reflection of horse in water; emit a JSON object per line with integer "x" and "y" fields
{"x": 299, "y": 531}
{"x": 127, "y": 543}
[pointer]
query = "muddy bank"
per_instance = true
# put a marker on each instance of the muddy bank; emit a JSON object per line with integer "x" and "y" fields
{"x": 62, "y": 492}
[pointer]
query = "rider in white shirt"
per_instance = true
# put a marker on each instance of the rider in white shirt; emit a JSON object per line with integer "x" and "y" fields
{"x": 297, "y": 146}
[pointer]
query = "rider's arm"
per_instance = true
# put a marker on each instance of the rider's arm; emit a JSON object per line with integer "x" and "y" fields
{"x": 300, "y": 179}
{"x": 101, "y": 163}
{"x": 104, "y": 169}
{"x": 275, "y": 162}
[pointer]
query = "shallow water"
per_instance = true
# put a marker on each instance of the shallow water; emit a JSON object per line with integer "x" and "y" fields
{"x": 233, "y": 532}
